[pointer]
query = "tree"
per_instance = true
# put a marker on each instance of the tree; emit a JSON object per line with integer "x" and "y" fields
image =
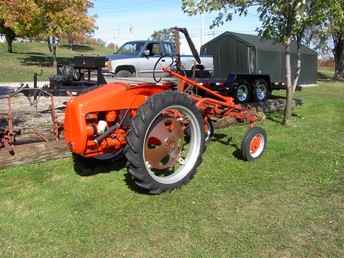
{"x": 10, "y": 35}
{"x": 46, "y": 19}
{"x": 112, "y": 46}
{"x": 63, "y": 17}
{"x": 283, "y": 21}
{"x": 328, "y": 37}
{"x": 333, "y": 28}
{"x": 163, "y": 35}
{"x": 17, "y": 19}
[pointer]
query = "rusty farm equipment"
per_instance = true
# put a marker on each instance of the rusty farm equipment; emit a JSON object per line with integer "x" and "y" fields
{"x": 71, "y": 78}
{"x": 161, "y": 128}
{"x": 9, "y": 131}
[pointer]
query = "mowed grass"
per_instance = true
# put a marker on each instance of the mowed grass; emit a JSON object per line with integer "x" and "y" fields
{"x": 30, "y": 58}
{"x": 326, "y": 73}
{"x": 290, "y": 203}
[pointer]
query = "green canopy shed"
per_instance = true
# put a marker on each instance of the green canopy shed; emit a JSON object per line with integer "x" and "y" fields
{"x": 249, "y": 54}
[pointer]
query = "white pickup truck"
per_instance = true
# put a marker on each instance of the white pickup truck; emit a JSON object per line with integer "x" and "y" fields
{"x": 137, "y": 58}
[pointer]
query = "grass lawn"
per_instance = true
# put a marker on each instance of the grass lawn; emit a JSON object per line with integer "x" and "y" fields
{"x": 34, "y": 57}
{"x": 290, "y": 203}
{"x": 326, "y": 73}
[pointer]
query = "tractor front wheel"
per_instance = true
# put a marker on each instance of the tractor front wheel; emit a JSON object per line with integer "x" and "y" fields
{"x": 165, "y": 143}
{"x": 253, "y": 144}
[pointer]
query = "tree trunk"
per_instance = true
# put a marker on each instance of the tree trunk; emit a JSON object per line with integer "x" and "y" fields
{"x": 9, "y": 41}
{"x": 288, "y": 107}
{"x": 338, "y": 52}
{"x": 54, "y": 57}
{"x": 299, "y": 64}
{"x": 10, "y": 35}
{"x": 49, "y": 45}
{"x": 52, "y": 45}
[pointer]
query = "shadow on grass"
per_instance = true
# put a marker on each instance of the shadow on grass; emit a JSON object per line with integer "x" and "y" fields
{"x": 325, "y": 77}
{"x": 276, "y": 117}
{"x": 31, "y": 53}
{"x": 228, "y": 141}
{"x": 86, "y": 167}
{"x": 79, "y": 48}
{"x": 43, "y": 60}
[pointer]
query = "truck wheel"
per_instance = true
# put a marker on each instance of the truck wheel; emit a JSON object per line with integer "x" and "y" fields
{"x": 261, "y": 91}
{"x": 253, "y": 144}
{"x": 242, "y": 92}
{"x": 159, "y": 156}
{"x": 124, "y": 74}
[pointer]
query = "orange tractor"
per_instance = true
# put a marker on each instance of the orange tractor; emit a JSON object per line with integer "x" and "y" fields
{"x": 161, "y": 128}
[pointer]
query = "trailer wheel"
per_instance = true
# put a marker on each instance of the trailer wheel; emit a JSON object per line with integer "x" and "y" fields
{"x": 261, "y": 91}
{"x": 253, "y": 144}
{"x": 242, "y": 92}
{"x": 159, "y": 157}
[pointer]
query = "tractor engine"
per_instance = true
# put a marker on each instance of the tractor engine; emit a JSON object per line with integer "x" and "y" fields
{"x": 83, "y": 140}
{"x": 91, "y": 125}
{"x": 97, "y": 124}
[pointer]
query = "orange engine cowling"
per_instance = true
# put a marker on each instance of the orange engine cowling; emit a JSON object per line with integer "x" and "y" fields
{"x": 92, "y": 114}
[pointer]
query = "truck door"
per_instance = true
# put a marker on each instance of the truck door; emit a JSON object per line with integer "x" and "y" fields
{"x": 148, "y": 62}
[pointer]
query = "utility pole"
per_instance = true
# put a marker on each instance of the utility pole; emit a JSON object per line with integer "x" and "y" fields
{"x": 202, "y": 29}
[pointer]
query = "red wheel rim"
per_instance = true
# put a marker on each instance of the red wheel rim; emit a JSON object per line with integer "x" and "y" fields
{"x": 257, "y": 145}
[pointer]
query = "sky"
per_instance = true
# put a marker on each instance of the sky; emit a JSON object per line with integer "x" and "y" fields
{"x": 119, "y": 21}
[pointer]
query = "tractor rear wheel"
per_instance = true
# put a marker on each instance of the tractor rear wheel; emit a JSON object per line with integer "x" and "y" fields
{"x": 253, "y": 144}
{"x": 160, "y": 158}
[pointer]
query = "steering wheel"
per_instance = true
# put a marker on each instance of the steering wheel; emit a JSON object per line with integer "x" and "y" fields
{"x": 157, "y": 64}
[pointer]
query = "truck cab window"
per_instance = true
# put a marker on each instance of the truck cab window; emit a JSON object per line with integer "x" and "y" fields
{"x": 154, "y": 49}
{"x": 131, "y": 48}
{"x": 168, "y": 49}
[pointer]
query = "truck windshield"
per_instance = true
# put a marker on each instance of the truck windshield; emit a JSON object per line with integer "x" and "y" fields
{"x": 131, "y": 48}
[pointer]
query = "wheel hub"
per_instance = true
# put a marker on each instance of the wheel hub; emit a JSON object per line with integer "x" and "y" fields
{"x": 164, "y": 143}
{"x": 261, "y": 91}
{"x": 256, "y": 144}
{"x": 242, "y": 93}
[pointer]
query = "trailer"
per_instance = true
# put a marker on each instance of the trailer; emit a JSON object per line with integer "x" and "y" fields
{"x": 249, "y": 65}
{"x": 80, "y": 74}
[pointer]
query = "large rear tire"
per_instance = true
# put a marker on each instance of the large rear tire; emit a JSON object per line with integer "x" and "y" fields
{"x": 159, "y": 156}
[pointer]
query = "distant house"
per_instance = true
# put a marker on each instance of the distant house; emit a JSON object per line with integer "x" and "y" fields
{"x": 2, "y": 39}
{"x": 249, "y": 54}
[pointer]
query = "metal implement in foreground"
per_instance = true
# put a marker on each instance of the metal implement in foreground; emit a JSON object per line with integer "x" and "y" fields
{"x": 161, "y": 128}
{"x": 9, "y": 133}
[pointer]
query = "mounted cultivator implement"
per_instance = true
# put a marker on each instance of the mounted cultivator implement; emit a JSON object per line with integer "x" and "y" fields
{"x": 9, "y": 133}
{"x": 161, "y": 128}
